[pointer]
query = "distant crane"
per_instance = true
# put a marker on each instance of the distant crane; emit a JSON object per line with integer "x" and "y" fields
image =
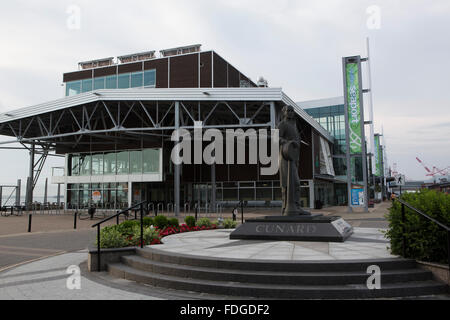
{"x": 435, "y": 171}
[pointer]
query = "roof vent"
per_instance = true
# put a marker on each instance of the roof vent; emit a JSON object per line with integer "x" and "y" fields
{"x": 96, "y": 63}
{"x": 180, "y": 50}
{"x": 262, "y": 83}
{"x": 137, "y": 57}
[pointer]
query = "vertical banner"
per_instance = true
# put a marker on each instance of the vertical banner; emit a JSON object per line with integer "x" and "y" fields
{"x": 353, "y": 90}
{"x": 354, "y": 132}
{"x": 378, "y": 156}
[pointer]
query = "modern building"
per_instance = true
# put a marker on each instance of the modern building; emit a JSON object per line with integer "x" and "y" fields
{"x": 330, "y": 114}
{"x": 115, "y": 123}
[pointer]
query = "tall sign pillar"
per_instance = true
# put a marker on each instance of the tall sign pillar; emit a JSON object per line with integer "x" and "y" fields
{"x": 354, "y": 130}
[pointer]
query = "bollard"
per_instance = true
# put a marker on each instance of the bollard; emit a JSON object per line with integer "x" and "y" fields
{"x": 29, "y": 222}
{"x": 75, "y": 220}
{"x": 196, "y": 212}
{"x": 242, "y": 212}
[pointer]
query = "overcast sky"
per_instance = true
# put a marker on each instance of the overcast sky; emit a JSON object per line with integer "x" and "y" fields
{"x": 296, "y": 45}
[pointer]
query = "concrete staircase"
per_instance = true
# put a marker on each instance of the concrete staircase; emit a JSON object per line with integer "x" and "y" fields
{"x": 275, "y": 279}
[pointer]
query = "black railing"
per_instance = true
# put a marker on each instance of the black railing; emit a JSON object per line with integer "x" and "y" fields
{"x": 98, "y": 225}
{"x": 404, "y": 244}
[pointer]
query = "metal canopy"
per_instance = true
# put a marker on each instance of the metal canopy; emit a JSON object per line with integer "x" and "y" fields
{"x": 126, "y": 114}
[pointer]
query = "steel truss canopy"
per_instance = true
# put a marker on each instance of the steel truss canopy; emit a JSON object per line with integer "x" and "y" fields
{"x": 127, "y": 115}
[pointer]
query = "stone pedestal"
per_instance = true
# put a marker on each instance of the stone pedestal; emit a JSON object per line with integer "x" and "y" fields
{"x": 294, "y": 228}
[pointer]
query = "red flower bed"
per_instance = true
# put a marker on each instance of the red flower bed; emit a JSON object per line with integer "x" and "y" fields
{"x": 181, "y": 229}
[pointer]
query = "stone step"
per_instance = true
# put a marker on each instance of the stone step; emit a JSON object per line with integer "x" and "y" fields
{"x": 275, "y": 266}
{"x": 278, "y": 291}
{"x": 278, "y": 277}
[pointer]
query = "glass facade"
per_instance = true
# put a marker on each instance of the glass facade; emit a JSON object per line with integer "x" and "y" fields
{"x": 100, "y": 195}
{"x": 247, "y": 191}
{"x": 122, "y": 81}
{"x": 332, "y": 118}
{"x": 115, "y": 163}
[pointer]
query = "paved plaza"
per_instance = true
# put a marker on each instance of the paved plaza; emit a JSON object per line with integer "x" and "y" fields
{"x": 34, "y": 265}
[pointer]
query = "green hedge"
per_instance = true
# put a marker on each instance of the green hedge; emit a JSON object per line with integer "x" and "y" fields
{"x": 425, "y": 240}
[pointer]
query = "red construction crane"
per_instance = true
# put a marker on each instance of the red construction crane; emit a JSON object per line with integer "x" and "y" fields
{"x": 435, "y": 171}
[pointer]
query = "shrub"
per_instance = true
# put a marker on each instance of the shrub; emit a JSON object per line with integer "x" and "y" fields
{"x": 126, "y": 227}
{"x": 190, "y": 221}
{"x": 148, "y": 221}
{"x": 204, "y": 222}
{"x": 229, "y": 224}
{"x": 425, "y": 240}
{"x": 111, "y": 237}
{"x": 173, "y": 222}
{"x": 161, "y": 222}
{"x": 149, "y": 235}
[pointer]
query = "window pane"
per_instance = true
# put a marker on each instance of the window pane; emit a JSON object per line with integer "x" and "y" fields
{"x": 136, "y": 79}
{"x": 73, "y": 88}
{"x": 124, "y": 81}
{"x": 111, "y": 82}
{"x": 136, "y": 161}
{"x": 151, "y": 160}
{"x": 149, "y": 78}
{"x": 122, "y": 162}
{"x": 87, "y": 85}
{"x": 109, "y": 163}
{"x": 99, "y": 83}
{"x": 75, "y": 165}
{"x": 97, "y": 164}
{"x": 85, "y": 164}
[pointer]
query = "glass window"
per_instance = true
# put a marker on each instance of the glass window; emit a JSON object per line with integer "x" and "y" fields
{"x": 151, "y": 160}
{"x": 247, "y": 194}
{"x": 99, "y": 83}
{"x": 136, "y": 161}
{"x": 73, "y": 88}
{"x": 87, "y": 85}
{"x": 149, "y": 78}
{"x": 75, "y": 165}
{"x": 124, "y": 81}
{"x": 111, "y": 82}
{"x": 109, "y": 160}
{"x": 122, "y": 162}
{"x": 137, "y": 79}
{"x": 97, "y": 164}
{"x": 264, "y": 194}
{"x": 85, "y": 165}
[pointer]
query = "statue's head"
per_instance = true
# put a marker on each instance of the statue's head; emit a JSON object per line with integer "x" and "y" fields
{"x": 288, "y": 112}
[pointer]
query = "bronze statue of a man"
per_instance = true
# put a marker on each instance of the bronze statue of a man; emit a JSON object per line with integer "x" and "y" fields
{"x": 289, "y": 161}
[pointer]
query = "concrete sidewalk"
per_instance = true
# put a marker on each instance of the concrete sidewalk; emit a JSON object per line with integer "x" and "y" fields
{"x": 47, "y": 280}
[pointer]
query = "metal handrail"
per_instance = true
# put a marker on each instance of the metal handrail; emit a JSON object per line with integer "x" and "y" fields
{"x": 98, "y": 224}
{"x": 405, "y": 204}
{"x": 424, "y": 214}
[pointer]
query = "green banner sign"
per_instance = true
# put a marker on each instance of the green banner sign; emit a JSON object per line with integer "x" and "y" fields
{"x": 354, "y": 107}
{"x": 378, "y": 156}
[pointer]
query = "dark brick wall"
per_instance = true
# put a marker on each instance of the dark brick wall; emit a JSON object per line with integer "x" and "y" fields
{"x": 184, "y": 71}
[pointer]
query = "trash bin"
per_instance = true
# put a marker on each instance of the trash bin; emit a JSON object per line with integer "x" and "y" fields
{"x": 318, "y": 204}
{"x": 91, "y": 212}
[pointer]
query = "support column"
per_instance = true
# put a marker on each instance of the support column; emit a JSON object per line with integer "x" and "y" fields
{"x": 130, "y": 193}
{"x": 58, "y": 195}
{"x": 176, "y": 176}
{"x": 46, "y": 191}
{"x": 19, "y": 182}
{"x": 29, "y": 191}
{"x": 213, "y": 188}
{"x": 273, "y": 116}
